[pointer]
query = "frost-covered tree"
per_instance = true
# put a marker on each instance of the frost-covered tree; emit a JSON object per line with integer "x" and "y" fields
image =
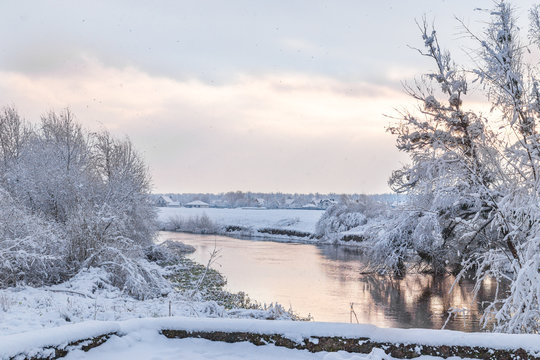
{"x": 452, "y": 172}
{"x": 32, "y": 250}
{"x": 347, "y": 214}
{"x": 51, "y": 172}
{"x": 473, "y": 179}
{"x": 89, "y": 193}
{"x": 13, "y": 135}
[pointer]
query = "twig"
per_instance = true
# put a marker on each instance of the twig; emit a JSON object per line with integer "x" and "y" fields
{"x": 70, "y": 292}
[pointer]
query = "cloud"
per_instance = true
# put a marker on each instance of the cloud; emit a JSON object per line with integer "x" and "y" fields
{"x": 268, "y": 132}
{"x": 301, "y": 45}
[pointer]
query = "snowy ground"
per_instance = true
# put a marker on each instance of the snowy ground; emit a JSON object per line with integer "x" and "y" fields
{"x": 288, "y": 219}
{"x": 88, "y": 296}
{"x": 150, "y": 345}
{"x": 140, "y": 339}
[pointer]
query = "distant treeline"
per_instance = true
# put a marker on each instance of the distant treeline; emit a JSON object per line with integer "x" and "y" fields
{"x": 235, "y": 199}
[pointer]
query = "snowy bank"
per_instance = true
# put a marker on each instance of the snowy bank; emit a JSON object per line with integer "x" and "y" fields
{"x": 290, "y": 224}
{"x": 89, "y": 296}
{"x": 292, "y": 335}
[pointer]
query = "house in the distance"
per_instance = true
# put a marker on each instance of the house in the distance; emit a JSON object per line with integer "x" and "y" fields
{"x": 165, "y": 201}
{"x": 196, "y": 204}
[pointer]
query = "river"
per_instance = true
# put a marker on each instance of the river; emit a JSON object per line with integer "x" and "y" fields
{"x": 323, "y": 280}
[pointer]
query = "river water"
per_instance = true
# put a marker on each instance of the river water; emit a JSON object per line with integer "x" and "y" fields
{"x": 323, "y": 281}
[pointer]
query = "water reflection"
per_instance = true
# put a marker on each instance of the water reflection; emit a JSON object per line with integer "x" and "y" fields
{"x": 417, "y": 300}
{"x": 323, "y": 280}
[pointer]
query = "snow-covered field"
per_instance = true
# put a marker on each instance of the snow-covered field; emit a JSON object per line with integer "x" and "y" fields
{"x": 289, "y": 219}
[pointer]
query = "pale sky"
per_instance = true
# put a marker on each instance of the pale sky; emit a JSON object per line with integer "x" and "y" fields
{"x": 248, "y": 95}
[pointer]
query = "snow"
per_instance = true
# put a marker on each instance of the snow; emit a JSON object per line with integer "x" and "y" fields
{"x": 88, "y": 296}
{"x": 290, "y": 219}
{"x": 31, "y": 342}
{"x": 298, "y": 330}
{"x": 139, "y": 338}
{"x": 197, "y": 203}
{"x": 150, "y": 345}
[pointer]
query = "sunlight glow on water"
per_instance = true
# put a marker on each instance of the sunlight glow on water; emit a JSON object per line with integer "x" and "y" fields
{"x": 322, "y": 280}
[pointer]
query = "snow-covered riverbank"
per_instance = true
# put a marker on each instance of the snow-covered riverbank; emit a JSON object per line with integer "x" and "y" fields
{"x": 89, "y": 296}
{"x": 279, "y": 224}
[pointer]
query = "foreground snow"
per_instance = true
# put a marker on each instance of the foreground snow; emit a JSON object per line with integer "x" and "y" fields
{"x": 140, "y": 339}
{"x": 150, "y": 345}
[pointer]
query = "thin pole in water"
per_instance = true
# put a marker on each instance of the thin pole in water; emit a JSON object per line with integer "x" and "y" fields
{"x": 351, "y": 314}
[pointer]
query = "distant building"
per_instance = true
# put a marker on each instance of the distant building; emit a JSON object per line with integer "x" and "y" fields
{"x": 165, "y": 201}
{"x": 197, "y": 204}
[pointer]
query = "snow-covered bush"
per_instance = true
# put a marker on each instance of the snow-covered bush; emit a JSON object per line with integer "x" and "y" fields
{"x": 344, "y": 216}
{"x": 197, "y": 224}
{"x": 168, "y": 252}
{"x": 71, "y": 200}
{"x": 32, "y": 251}
{"x": 129, "y": 270}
